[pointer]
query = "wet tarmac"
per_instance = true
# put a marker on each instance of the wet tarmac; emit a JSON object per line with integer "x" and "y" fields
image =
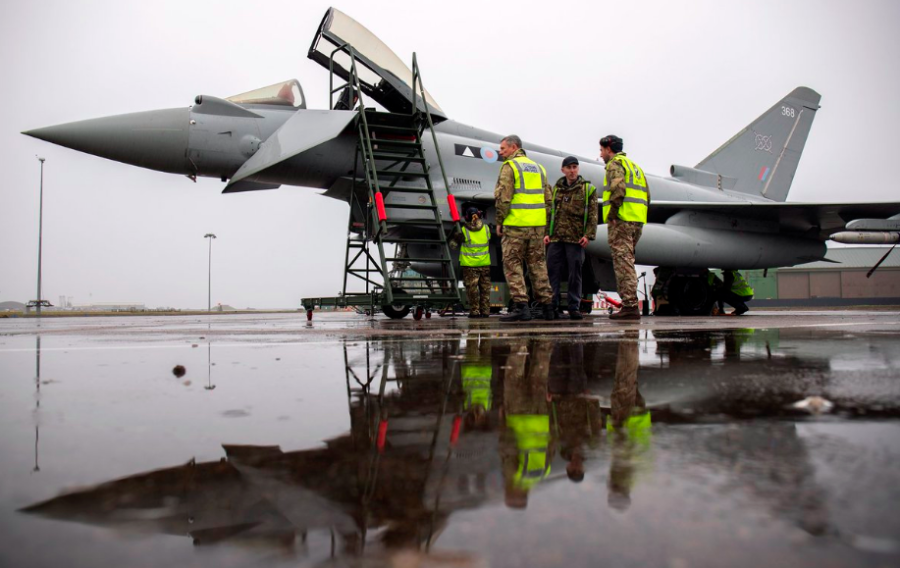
{"x": 244, "y": 440}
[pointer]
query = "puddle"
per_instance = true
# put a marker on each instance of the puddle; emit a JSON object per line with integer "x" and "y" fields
{"x": 639, "y": 447}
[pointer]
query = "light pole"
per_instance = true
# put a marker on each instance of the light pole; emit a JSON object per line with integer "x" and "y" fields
{"x": 209, "y": 236}
{"x": 40, "y": 235}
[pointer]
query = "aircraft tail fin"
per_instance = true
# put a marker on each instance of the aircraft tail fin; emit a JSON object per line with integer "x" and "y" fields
{"x": 763, "y": 157}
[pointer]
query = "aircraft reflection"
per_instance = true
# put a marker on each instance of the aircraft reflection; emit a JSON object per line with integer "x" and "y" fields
{"x": 445, "y": 426}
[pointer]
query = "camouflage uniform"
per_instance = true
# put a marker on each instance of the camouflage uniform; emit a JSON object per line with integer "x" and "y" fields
{"x": 527, "y": 371}
{"x": 568, "y": 226}
{"x": 521, "y": 244}
{"x": 476, "y": 278}
{"x": 628, "y": 424}
{"x": 623, "y": 236}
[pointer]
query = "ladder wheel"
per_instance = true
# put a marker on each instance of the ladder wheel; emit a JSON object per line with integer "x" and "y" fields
{"x": 395, "y": 312}
{"x": 417, "y": 315}
{"x": 309, "y": 315}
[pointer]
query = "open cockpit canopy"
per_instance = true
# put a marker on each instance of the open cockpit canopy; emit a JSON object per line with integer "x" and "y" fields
{"x": 286, "y": 94}
{"x": 382, "y": 75}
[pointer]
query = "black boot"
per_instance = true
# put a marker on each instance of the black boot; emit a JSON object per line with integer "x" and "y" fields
{"x": 520, "y": 313}
{"x": 549, "y": 312}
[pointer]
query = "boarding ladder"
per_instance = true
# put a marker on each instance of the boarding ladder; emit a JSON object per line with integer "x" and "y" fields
{"x": 398, "y": 201}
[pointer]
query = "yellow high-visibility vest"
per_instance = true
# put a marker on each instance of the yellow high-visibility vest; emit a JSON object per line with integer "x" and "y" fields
{"x": 527, "y": 208}
{"x": 475, "y": 250}
{"x": 476, "y": 383}
{"x": 740, "y": 286}
{"x": 637, "y": 195}
{"x": 532, "y": 433}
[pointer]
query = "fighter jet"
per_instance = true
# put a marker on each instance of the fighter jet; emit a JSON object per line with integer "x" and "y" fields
{"x": 728, "y": 211}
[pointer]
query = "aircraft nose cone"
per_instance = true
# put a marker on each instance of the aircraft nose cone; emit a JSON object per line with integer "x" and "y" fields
{"x": 156, "y": 139}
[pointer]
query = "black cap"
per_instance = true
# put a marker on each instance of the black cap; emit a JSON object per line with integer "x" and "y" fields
{"x": 472, "y": 211}
{"x": 569, "y": 160}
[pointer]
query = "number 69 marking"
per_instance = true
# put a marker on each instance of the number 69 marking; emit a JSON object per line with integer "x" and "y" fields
{"x": 787, "y": 111}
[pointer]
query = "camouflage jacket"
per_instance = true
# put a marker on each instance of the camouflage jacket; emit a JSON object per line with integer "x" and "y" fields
{"x": 506, "y": 185}
{"x": 458, "y": 238}
{"x": 567, "y": 212}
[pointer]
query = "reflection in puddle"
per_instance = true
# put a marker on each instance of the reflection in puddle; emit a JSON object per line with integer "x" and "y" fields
{"x": 446, "y": 431}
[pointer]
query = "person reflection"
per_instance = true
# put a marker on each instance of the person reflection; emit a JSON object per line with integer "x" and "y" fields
{"x": 628, "y": 426}
{"x": 525, "y": 443}
{"x": 576, "y": 415}
{"x": 476, "y": 373}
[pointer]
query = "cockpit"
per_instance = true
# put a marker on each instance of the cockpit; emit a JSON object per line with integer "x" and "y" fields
{"x": 382, "y": 74}
{"x": 285, "y": 94}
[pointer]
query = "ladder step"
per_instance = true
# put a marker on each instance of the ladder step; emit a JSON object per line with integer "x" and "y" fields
{"x": 388, "y": 142}
{"x": 421, "y": 279}
{"x": 395, "y": 158}
{"x": 391, "y": 128}
{"x": 394, "y": 174}
{"x": 377, "y": 117}
{"x": 413, "y": 222}
{"x": 412, "y": 241}
{"x": 408, "y": 206}
{"x": 405, "y": 190}
{"x": 423, "y": 260}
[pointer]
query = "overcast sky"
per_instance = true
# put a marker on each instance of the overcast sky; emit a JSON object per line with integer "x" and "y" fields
{"x": 674, "y": 79}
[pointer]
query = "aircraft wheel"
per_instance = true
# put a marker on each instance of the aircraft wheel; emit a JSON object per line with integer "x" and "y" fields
{"x": 309, "y": 315}
{"x": 417, "y": 315}
{"x": 395, "y": 312}
{"x": 692, "y": 296}
{"x": 428, "y": 314}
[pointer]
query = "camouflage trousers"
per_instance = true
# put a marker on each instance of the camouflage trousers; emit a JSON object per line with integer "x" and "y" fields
{"x": 478, "y": 288}
{"x": 623, "y": 238}
{"x": 525, "y": 245}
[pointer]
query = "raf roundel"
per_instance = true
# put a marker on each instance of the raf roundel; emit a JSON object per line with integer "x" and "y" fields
{"x": 489, "y": 155}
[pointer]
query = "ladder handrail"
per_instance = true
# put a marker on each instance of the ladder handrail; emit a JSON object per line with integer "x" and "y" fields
{"x": 375, "y": 227}
{"x": 417, "y": 77}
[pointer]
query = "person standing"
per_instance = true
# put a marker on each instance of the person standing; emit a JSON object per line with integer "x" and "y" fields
{"x": 474, "y": 240}
{"x": 626, "y": 200}
{"x": 522, "y": 196}
{"x": 573, "y": 223}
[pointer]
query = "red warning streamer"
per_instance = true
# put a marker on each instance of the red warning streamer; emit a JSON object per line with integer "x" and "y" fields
{"x": 382, "y": 434}
{"x": 454, "y": 211}
{"x": 379, "y": 207}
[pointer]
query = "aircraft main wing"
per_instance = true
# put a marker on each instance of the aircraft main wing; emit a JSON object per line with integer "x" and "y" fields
{"x": 819, "y": 219}
{"x": 816, "y": 220}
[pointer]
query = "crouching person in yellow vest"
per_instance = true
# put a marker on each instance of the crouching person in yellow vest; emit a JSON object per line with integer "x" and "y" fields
{"x": 473, "y": 241}
{"x": 736, "y": 292}
{"x": 522, "y": 197}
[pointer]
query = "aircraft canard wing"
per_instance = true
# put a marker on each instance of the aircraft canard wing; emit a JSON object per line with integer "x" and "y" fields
{"x": 297, "y": 151}
{"x": 822, "y": 219}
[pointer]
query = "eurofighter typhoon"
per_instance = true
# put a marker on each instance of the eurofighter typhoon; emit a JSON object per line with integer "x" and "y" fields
{"x": 407, "y": 170}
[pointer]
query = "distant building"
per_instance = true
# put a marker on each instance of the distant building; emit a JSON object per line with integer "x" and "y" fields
{"x": 840, "y": 280}
{"x": 110, "y": 307}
